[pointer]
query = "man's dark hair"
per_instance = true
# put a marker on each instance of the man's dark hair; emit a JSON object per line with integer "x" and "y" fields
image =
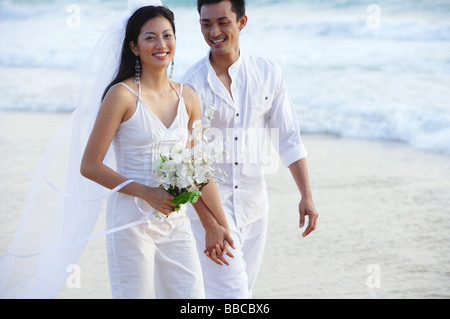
{"x": 237, "y": 6}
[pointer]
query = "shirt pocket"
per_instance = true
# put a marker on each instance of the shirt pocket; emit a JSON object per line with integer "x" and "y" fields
{"x": 260, "y": 111}
{"x": 262, "y": 100}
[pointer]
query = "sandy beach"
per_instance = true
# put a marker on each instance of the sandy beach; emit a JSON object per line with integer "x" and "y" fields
{"x": 383, "y": 232}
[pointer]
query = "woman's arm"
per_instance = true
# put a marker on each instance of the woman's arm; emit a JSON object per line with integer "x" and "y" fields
{"x": 118, "y": 105}
{"x": 210, "y": 194}
{"x": 209, "y": 206}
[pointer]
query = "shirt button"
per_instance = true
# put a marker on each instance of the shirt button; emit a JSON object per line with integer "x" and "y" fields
{"x": 236, "y": 187}
{"x": 237, "y": 114}
{"x": 236, "y": 163}
{"x": 236, "y": 138}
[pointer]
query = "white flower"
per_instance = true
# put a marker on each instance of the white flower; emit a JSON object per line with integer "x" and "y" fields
{"x": 182, "y": 170}
{"x": 208, "y": 114}
{"x": 156, "y": 165}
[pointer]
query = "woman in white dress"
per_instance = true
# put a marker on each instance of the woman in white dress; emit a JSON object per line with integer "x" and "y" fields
{"x": 143, "y": 113}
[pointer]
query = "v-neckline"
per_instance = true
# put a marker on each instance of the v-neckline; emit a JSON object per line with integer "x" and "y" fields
{"x": 153, "y": 113}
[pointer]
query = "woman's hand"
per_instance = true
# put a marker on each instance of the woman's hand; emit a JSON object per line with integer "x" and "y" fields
{"x": 217, "y": 254}
{"x": 160, "y": 200}
{"x": 218, "y": 243}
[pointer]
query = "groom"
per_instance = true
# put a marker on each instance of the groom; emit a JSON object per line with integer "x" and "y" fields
{"x": 250, "y": 96}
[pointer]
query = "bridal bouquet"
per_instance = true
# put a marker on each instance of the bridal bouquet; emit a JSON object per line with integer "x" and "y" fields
{"x": 184, "y": 172}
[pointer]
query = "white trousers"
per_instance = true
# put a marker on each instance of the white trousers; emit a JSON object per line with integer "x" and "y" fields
{"x": 235, "y": 281}
{"x": 154, "y": 260}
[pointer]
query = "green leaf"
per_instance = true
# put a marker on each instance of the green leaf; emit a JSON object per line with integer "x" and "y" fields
{"x": 195, "y": 196}
{"x": 188, "y": 197}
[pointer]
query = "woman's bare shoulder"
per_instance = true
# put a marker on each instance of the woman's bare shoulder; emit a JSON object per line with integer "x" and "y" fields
{"x": 189, "y": 95}
{"x": 121, "y": 94}
{"x": 120, "y": 101}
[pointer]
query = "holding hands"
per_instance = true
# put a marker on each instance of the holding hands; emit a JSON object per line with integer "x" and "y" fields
{"x": 218, "y": 243}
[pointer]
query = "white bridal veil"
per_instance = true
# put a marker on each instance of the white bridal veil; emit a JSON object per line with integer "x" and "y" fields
{"x": 62, "y": 207}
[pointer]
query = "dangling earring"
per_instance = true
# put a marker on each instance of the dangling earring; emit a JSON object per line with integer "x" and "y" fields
{"x": 137, "y": 76}
{"x": 171, "y": 69}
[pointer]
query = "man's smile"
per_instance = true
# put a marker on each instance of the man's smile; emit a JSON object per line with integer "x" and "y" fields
{"x": 218, "y": 42}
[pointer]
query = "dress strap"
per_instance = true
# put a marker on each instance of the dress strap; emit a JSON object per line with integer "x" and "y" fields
{"x": 181, "y": 90}
{"x": 131, "y": 90}
{"x": 139, "y": 94}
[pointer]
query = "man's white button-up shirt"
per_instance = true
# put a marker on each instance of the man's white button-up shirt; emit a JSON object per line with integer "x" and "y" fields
{"x": 259, "y": 106}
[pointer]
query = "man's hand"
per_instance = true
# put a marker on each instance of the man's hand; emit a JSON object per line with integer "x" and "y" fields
{"x": 218, "y": 243}
{"x": 218, "y": 255}
{"x": 307, "y": 208}
{"x": 299, "y": 171}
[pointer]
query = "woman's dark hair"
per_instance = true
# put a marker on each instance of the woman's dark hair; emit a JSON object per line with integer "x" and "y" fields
{"x": 237, "y": 6}
{"x": 134, "y": 26}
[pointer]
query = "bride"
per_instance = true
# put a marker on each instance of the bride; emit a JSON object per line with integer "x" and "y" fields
{"x": 142, "y": 114}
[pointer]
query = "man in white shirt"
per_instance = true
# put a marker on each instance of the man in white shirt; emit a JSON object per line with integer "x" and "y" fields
{"x": 250, "y": 98}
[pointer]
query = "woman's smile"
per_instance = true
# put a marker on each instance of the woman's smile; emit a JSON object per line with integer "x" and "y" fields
{"x": 161, "y": 55}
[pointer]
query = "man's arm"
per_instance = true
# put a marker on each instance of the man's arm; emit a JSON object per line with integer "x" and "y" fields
{"x": 290, "y": 148}
{"x": 299, "y": 171}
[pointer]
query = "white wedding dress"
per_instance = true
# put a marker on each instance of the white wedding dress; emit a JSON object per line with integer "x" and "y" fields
{"x": 157, "y": 259}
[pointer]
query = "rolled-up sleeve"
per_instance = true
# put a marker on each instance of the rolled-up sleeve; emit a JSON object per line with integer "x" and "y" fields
{"x": 283, "y": 123}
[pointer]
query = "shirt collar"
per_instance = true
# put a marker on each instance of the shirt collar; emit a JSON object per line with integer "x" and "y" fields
{"x": 236, "y": 65}
{"x": 214, "y": 82}
{"x": 232, "y": 69}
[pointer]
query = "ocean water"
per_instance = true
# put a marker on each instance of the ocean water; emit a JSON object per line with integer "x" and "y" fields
{"x": 360, "y": 69}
